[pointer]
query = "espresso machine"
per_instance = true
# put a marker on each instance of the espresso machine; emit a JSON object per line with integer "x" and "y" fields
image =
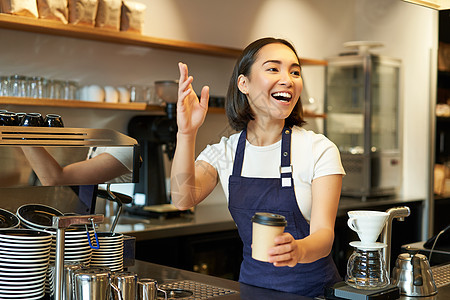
{"x": 156, "y": 135}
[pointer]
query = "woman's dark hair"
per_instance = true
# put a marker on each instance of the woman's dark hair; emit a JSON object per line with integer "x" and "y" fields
{"x": 237, "y": 107}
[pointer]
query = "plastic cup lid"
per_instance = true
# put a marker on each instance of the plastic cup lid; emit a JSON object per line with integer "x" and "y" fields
{"x": 269, "y": 219}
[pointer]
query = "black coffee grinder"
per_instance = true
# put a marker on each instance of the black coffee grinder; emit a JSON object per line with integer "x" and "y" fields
{"x": 157, "y": 138}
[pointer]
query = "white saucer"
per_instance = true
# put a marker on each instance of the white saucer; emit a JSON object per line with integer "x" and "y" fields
{"x": 367, "y": 246}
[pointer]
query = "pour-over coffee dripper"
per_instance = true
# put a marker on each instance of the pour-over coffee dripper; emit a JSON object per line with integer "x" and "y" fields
{"x": 366, "y": 268}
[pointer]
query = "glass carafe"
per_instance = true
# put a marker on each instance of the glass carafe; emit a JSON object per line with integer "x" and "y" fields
{"x": 366, "y": 269}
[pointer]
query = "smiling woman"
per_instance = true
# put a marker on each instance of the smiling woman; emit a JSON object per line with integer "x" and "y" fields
{"x": 271, "y": 165}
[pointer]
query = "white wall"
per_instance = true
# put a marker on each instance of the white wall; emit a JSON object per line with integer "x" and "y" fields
{"x": 317, "y": 28}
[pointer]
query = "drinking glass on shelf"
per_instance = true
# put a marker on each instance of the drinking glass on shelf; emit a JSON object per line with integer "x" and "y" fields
{"x": 4, "y": 86}
{"x": 54, "y": 89}
{"x": 136, "y": 93}
{"x": 69, "y": 90}
{"x": 36, "y": 87}
{"x": 17, "y": 86}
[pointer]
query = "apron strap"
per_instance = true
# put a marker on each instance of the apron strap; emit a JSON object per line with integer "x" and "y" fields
{"x": 286, "y": 167}
{"x": 239, "y": 157}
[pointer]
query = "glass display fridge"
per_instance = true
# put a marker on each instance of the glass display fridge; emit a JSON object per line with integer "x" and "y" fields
{"x": 362, "y": 105}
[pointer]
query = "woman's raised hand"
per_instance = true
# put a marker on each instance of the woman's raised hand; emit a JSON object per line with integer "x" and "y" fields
{"x": 191, "y": 111}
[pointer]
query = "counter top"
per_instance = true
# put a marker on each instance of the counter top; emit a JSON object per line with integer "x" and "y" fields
{"x": 216, "y": 217}
{"x": 205, "y": 219}
{"x": 166, "y": 275}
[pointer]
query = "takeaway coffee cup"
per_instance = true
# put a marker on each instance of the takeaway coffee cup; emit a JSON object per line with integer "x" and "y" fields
{"x": 266, "y": 226}
{"x": 367, "y": 224}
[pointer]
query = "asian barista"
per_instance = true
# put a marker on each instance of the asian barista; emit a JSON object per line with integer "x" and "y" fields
{"x": 263, "y": 105}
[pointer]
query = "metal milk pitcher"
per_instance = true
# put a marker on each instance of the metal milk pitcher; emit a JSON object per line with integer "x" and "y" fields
{"x": 127, "y": 284}
{"x": 148, "y": 289}
{"x": 68, "y": 291}
{"x": 94, "y": 284}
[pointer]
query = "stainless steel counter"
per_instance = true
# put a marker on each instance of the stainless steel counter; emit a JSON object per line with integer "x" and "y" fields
{"x": 214, "y": 218}
{"x": 166, "y": 275}
{"x": 206, "y": 219}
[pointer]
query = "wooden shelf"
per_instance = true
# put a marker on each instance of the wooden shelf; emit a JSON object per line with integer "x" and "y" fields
{"x": 134, "y": 106}
{"x": 120, "y": 37}
{"x": 137, "y": 106}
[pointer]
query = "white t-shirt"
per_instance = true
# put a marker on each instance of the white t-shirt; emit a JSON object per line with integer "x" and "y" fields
{"x": 312, "y": 156}
{"x": 122, "y": 154}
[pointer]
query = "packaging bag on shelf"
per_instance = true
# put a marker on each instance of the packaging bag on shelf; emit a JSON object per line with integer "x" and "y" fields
{"x": 444, "y": 57}
{"x": 83, "y": 12}
{"x": 108, "y": 14}
{"x": 27, "y": 8}
{"x": 132, "y": 17}
{"x": 53, "y": 10}
{"x": 441, "y": 179}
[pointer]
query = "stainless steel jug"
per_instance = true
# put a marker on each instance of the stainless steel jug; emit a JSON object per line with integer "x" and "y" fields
{"x": 412, "y": 274}
{"x": 148, "y": 289}
{"x": 68, "y": 290}
{"x": 127, "y": 284}
{"x": 94, "y": 284}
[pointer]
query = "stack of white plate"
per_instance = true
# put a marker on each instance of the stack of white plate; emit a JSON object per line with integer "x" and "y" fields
{"x": 24, "y": 257}
{"x": 76, "y": 243}
{"x": 110, "y": 253}
{"x": 8, "y": 220}
{"x": 37, "y": 216}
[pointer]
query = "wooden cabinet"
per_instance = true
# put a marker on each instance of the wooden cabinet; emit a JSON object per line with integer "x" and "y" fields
{"x": 218, "y": 254}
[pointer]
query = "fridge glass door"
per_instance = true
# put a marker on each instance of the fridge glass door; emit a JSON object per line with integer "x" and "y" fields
{"x": 385, "y": 107}
{"x": 345, "y": 107}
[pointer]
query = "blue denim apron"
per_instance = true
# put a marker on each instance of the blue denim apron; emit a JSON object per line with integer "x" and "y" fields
{"x": 274, "y": 195}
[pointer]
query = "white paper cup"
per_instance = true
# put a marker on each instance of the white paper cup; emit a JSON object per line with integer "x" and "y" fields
{"x": 265, "y": 228}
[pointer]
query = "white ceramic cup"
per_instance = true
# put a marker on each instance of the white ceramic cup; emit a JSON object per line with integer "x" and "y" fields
{"x": 265, "y": 228}
{"x": 367, "y": 224}
{"x": 111, "y": 94}
{"x": 124, "y": 94}
{"x": 93, "y": 93}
